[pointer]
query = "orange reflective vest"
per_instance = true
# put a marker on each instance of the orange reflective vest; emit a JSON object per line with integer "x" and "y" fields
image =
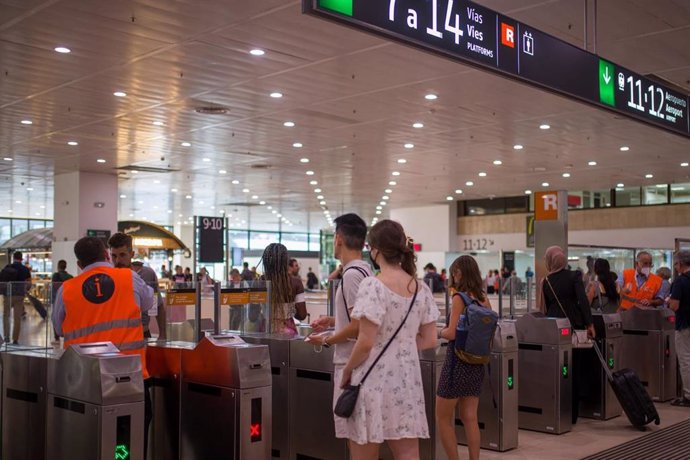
{"x": 100, "y": 307}
{"x": 647, "y": 291}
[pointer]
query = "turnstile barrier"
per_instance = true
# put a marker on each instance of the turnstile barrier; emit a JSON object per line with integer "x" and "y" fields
{"x": 95, "y": 404}
{"x": 498, "y": 403}
{"x": 545, "y": 389}
{"x": 649, "y": 349}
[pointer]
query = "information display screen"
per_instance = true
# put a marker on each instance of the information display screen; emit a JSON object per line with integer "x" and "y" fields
{"x": 473, "y": 34}
{"x": 211, "y": 239}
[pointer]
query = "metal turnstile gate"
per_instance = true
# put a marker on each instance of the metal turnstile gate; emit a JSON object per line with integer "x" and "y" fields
{"x": 601, "y": 403}
{"x": 545, "y": 357}
{"x": 649, "y": 348}
{"x": 226, "y": 400}
{"x": 498, "y": 404}
{"x": 95, "y": 404}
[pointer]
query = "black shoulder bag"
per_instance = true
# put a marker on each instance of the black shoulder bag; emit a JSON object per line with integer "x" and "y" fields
{"x": 342, "y": 288}
{"x": 348, "y": 399}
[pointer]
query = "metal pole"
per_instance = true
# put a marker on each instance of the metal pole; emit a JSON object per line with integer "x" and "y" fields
{"x": 197, "y": 313}
{"x": 216, "y": 308}
{"x": 500, "y": 296}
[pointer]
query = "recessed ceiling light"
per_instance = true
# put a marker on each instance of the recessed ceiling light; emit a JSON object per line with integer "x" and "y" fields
{"x": 120, "y": 94}
{"x": 186, "y": 144}
{"x": 38, "y": 213}
{"x": 592, "y": 163}
{"x": 458, "y": 191}
{"x": 566, "y": 174}
{"x": 388, "y": 190}
{"x": 62, "y": 49}
{"x": 304, "y": 160}
{"x": 269, "y": 207}
{"x": 255, "y": 197}
{"x": 449, "y": 198}
{"x": 624, "y": 148}
{"x": 685, "y": 164}
{"x": 170, "y": 211}
{"x": 518, "y": 147}
{"x": 498, "y": 162}
{"x": 317, "y": 190}
{"x": 235, "y": 182}
{"x": 319, "y": 197}
{"x": 621, "y": 185}
{"x": 279, "y": 215}
{"x": 297, "y": 145}
{"x": 30, "y": 189}
{"x": 189, "y": 197}
{"x": 27, "y": 122}
{"x": 100, "y": 160}
{"x": 322, "y": 203}
{"x": 649, "y": 176}
{"x": 313, "y": 182}
{"x": 544, "y": 184}
{"x": 257, "y": 52}
{"x": 18, "y": 202}
{"x": 142, "y": 202}
{"x": 544, "y": 126}
{"x": 382, "y": 203}
{"x": 276, "y": 95}
{"x": 134, "y": 171}
{"x": 402, "y": 161}
{"x": 395, "y": 173}
{"x": 528, "y": 192}
{"x": 8, "y": 159}
{"x": 9, "y": 210}
{"x": 289, "y": 124}
{"x": 173, "y": 190}
{"x": 222, "y": 171}
{"x": 409, "y": 146}
{"x": 309, "y": 173}
{"x": 418, "y": 125}
{"x": 469, "y": 183}
{"x": 72, "y": 143}
{"x": 392, "y": 183}
{"x": 158, "y": 123}
{"x": 245, "y": 190}
{"x": 431, "y": 97}
{"x": 378, "y": 212}
{"x": 206, "y": 160}
{"x": 385, "y": 197}
{"x": 379, "y": 207}
{"x": 482, "y": 174}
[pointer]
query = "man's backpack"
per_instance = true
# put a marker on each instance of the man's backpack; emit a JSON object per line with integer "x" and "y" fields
{"x": 474, "y": 332}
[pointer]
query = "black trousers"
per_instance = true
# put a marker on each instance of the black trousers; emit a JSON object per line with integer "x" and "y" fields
{"x": 148, "y": 413}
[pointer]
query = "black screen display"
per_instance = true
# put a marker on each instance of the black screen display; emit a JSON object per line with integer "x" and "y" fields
{"x": 211, "y": 239}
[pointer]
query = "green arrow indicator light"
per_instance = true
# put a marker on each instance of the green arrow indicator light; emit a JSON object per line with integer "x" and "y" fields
{"x": 564, "y": 371}
{"x": 606, "y": 78}
{"x": 611, "y": 363}
{"x": 121, "y": 452}
{"x": 510, "y": 382}
{"x": 339, "y": 6}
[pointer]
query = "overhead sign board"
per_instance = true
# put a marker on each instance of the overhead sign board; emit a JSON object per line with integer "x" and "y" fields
{"x": 481, "y": 37}
{"x": 210, "y": 232}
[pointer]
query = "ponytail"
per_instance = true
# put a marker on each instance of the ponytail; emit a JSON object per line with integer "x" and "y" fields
{"x": 409, "y": 258}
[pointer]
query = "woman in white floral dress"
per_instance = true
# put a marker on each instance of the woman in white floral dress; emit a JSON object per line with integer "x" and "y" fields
{"x": 390, "y": 406}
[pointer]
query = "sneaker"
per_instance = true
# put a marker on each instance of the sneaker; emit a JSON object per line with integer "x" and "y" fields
{"x": 682, "y": 402}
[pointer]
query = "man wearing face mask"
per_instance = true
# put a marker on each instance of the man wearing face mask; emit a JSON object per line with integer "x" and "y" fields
{"x": 639, "y": 286}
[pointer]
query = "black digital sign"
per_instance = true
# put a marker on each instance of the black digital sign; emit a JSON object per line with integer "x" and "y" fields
{"x": 210, "y": 233}
{"x": 481, "y": 37}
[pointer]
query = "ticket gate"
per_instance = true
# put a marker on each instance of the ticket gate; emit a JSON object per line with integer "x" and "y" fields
{"x": 24, "y": 403}
{"x": 95, "y": 404}
{"x": 184, "y": 331}
{"x": 601, "y": 403}
{"x": 279, "y": 351}
{"x": 498, "y": 404}
{"x": 545, "y": 357}
{"x": 164, "y": 361}
{"x": 311, "y": 404}
{"x": 226, "y": 400}
{"x": 649, "y": 349}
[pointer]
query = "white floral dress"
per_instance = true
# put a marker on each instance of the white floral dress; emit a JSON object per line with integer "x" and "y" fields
{"x": 391, "y": 400}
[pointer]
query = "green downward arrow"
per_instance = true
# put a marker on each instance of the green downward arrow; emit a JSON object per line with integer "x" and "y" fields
{"x": 121, "y": 452}
{"x": 606, "y": 77}
{"x": 339, "y": 6}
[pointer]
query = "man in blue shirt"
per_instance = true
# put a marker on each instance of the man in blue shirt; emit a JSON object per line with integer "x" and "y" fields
{"x": 680, "y": 303}
{"x": 19, "y": 281}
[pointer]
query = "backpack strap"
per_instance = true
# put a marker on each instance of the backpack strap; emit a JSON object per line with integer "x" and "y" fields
{"x": 342, "y": 287}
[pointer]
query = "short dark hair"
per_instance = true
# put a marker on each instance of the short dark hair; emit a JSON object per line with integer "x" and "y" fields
{"x": 119, "y": 240}
{"x": 62, "y": 265}
{"x": 430, "y": 266}
{"x": 245, "y": 265}
{"x": 353, "y": 230}
{"x": 234, "y": 272}
{"x": 292, "y": 262}
{"x": 89, "y": 250}
{"x": 17, "y": 255}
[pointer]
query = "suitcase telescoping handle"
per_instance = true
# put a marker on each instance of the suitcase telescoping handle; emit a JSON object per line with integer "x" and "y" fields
{"x": 603, "y": 362}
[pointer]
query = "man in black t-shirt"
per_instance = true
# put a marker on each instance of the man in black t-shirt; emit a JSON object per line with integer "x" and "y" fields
{"x": 18, "y": 279}
{"x": 680, "y": 303}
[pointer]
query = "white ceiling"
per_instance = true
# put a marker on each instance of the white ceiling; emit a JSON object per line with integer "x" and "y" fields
{"x": 352, "y": 96}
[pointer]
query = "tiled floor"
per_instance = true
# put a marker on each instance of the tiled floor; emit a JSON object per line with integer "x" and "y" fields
{"x": 587, "y": 437}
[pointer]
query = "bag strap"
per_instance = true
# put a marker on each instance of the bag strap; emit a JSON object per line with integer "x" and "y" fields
{"x": 554, "y": 294}
{"x": 342, "y": 287}
{"x": 601, "y": 307}
{"x": 414, "y": 298}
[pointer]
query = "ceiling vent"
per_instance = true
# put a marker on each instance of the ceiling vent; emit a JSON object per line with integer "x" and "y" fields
{"x": 242, "y": 205}
{"x": 146, "y": 169}
{"x": 260, "y": 166}
{"x": 212, "y": 110}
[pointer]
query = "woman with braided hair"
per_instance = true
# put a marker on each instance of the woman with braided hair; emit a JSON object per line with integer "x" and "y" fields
{"x": 287, "y": 292}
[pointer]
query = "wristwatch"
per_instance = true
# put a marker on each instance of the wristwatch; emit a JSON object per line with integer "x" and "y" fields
{"x": 325, "y": 342}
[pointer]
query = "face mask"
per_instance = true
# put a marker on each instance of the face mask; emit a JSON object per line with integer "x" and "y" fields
{"x": 374, "y": 264}
{"x": 646, "y": 271}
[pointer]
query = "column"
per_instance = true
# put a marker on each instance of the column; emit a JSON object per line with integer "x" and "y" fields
{"x": 550, "y": 228}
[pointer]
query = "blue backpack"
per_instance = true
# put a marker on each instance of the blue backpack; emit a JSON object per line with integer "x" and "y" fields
{"x": 474, "y": 333}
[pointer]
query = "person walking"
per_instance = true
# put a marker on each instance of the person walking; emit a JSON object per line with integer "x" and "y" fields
{"x": 59, "y": 277}
{"x": 680, "y": 304}
{"x": 460, "y": 382}
{"x": 563, "y": 296}
{"x": 287, "y": 292}
{"x": 247, "y": 274}
{"x": 603, "y": 293}
{"x": 397, "y": 318}
{"x": 17, "y": 279}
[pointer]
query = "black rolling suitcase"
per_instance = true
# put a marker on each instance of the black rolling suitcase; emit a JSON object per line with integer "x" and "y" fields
{"x": 631, "y": 394}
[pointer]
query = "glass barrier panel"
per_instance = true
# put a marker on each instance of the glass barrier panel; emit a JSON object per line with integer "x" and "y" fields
{"x": 245, "y": 307}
